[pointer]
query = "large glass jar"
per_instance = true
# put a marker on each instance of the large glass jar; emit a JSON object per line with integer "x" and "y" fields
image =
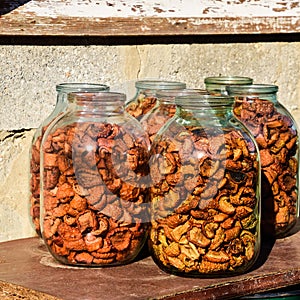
{"x": 164, "y": 110}
{"x": 61, "y": 104}
{"x": 93, "y": 199}
{"x": 145, "y": 98}
{"x": 217, "y": 85}
{"x": 277, "y": 136}
{"x": 205, "y": 198}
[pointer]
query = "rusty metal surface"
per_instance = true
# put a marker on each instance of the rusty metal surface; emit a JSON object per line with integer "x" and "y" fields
{"x": 119, "y": 18}
{"x": 26, "y": 263}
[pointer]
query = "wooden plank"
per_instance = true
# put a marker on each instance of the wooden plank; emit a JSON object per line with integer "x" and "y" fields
{"x": 10, "y": 291}
{"x": 147, "y": 17}
{"x": 27, "y": 263}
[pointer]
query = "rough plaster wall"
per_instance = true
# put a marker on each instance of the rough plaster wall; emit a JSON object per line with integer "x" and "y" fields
{"x": 14, "y": 166}
{"x": 275, "y": 63}
{"x": 28, "y": 75}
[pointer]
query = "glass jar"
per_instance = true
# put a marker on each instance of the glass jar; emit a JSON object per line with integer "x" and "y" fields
{"x": 61, "y": 105}
{"x": 217, "y": 85}
{"x": 164, "y": 110}
{"x": 93, "y": 200}
{"x": 277, "y": 136}
{"x": 205, "y": 198}
{"x": 145, "y": 99}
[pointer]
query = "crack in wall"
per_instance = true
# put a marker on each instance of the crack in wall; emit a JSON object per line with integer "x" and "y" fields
{"x": 140, "y": 62}
{"x": 14, "y": 134}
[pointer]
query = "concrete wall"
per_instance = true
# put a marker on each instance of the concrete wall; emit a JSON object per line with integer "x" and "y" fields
{"x": 28, "y": 75}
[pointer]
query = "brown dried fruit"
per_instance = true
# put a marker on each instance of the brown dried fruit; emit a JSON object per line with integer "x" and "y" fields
{"x": 142, "y": 106}
{"x": 196, "y": 237}
{"x": 277, "y": 139}
{"x": 92, "y": 216}
{"x": 205, "y": 218}
{"x": 120, "y": 238}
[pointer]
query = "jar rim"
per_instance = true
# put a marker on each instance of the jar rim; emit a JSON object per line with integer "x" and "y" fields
{"x": 204, "y": 101}
{"x": 252, "y": 88}
{"x": 159, "y": 84}
{"x": 69, "y": 87}
{"x": 102, "y": 97}
{"x": 228, "y": 80}
{"x": 180, "y": 92}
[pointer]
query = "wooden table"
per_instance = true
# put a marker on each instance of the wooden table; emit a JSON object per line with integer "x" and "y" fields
{"x": 27, "y": 269}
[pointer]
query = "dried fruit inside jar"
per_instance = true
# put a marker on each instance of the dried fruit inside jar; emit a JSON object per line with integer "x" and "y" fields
{"x": 61, "y": 105}
{"x": 145, "y": 98}
{"x": 277, "y": 136}
{"x": 94, "y": 201}
{"x": 164, "y": 110}
{"x": 205, "y": 201}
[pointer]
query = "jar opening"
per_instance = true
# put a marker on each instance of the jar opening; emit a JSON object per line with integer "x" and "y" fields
{"x": 98, "y": 98}
{"x": 81, "y": 87}
{"x": 204, "y": 101}
{"x": 159, "y": 84}
{"x": 178, "y": 93}
{"x": 252, "y": 89}
{"x": 224, "y": 80}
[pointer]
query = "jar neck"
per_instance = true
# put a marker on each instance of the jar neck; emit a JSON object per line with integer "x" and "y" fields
{"x": 80, "y": 87}
{"x": 97, "y": 103}
{"x": 64, "y": 89}
{"x": 205, "y": 108}
{"x": 167, "y": 97}
{"x": 217, "y": 85}
{"x": 149, "y": 87}
{"x": 255, "y": 91}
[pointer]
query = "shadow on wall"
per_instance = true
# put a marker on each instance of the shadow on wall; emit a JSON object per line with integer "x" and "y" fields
{"x": 7, "y": 6}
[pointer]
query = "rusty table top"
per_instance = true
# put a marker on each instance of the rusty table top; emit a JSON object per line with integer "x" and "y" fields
{"x": 26, "y": 264}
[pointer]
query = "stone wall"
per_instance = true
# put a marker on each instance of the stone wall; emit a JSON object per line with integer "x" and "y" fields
{"x": 28, "y": 75}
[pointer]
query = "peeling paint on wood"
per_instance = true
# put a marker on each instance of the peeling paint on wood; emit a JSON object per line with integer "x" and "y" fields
{"x": 123, "y": 17}
{"x": 165, "y": 8}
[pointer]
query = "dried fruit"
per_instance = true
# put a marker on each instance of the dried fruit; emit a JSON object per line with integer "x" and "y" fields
{"x": 277, "y": 140}
{"x": 91, "y": 215}
{"x": 211, "y": 226}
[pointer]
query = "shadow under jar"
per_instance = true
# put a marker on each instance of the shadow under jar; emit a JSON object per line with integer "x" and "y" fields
{"x": 205, "y": 198}
{"x": 61, "y": 105}
{"x": 145, "y": 98}
{"x": 93, "y": 199}
{"x": 277, "y": 136}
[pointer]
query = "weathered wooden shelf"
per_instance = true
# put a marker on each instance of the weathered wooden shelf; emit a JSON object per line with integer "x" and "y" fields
{"x": 26, "y": 264}
{"x": 147, "y": 17}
